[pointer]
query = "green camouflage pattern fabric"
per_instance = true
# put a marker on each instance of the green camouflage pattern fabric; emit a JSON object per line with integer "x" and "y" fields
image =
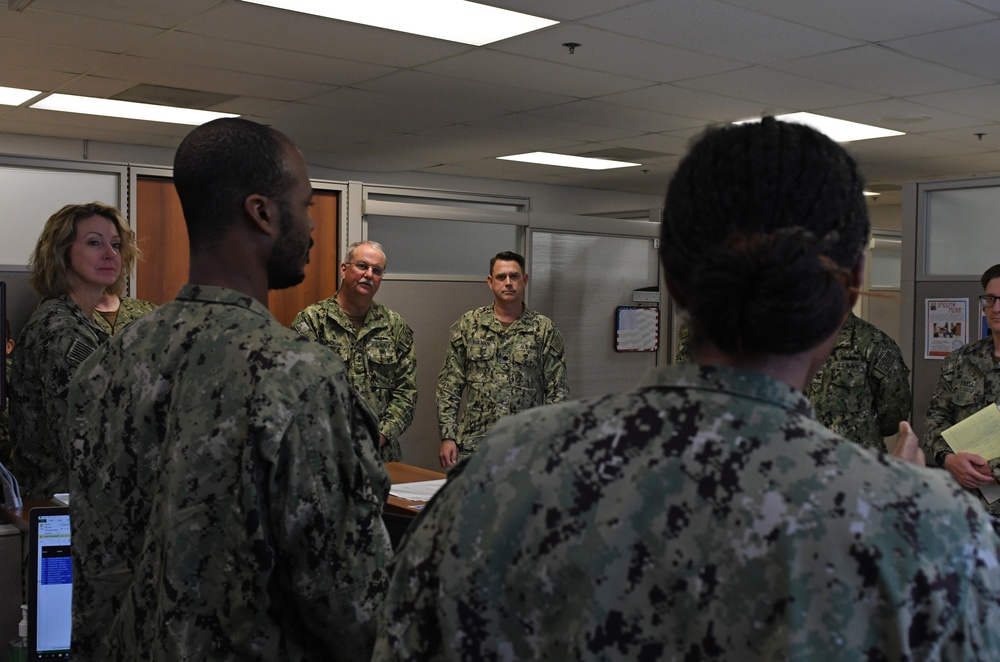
{"x": 54, "y": 342}
{"x": 129, "y": 310}
{"x": 380, "y": 361}
{"x": 227, "y": 496}
{"x": 5, "y": 443}
{"x": 705, "y": 515}
{"x": 862, "y": 391}
{"x": 969, "y": 380}
{"x": 506, "y": 372}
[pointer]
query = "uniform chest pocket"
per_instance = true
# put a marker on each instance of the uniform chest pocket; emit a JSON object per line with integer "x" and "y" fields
{"x": 381, "y": 351}
{"x": 524, "y": 356}
{"x": 849, "y": 374}
{"x": 969, "y": 393}
{"x": 481, "y": 351}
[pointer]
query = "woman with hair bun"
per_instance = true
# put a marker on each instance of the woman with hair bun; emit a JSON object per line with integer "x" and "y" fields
{"x": 83, "y": 251}
{"x": 706, "y": 514}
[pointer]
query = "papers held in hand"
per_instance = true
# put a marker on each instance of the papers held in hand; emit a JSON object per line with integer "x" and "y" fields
{"x": 978, "y": 434}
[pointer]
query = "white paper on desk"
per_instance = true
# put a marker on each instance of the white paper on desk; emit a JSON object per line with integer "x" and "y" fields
{"x": 420, "y": 491}
{"x": 990, "y": 492}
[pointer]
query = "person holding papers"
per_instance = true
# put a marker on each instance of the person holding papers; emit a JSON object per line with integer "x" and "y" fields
{"x": 969, "y": 381}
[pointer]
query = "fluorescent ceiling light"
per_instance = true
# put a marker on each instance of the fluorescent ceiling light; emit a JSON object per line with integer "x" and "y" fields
{"x": 547, "y": 158}
{"x": 12, "y": 96}
{"x": 841, "y": 131}
{"x": 69, "y": 103}
{"x": 870, "y": 194}
{"x": 454, "y": 20}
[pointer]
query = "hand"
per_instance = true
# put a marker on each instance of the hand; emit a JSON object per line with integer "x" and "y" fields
{"x": 908, "y": 446}
{"x": 382, "y": 440}
{"x": 448, "y": 453}
{"x": 970, "y": 470}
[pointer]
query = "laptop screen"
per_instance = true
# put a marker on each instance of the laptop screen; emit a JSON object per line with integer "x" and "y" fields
{"x": 50, "y": 584}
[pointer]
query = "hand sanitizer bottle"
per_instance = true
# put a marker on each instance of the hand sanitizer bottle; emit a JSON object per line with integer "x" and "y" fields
{"x": 19, "y": 646}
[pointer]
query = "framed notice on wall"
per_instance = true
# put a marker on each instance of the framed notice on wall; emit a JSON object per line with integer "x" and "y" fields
{"x": 947, "y": 322}
{"x": 637, "y": 329}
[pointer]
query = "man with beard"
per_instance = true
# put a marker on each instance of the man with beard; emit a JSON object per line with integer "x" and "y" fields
{"x": 376, "y": 343}
{"x": 227, "y": 494}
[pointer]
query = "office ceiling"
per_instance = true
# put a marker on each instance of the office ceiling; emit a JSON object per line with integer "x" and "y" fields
{"x": 645, "y": 78}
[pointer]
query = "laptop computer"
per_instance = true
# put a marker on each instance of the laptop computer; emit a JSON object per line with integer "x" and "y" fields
{"x": 50, "y": 584}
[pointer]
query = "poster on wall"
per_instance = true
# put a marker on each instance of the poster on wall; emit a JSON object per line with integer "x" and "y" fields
{"x": 947, "y": 329}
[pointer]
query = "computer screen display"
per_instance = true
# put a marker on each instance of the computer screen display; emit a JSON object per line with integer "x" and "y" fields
{"x": 50, "y": 584}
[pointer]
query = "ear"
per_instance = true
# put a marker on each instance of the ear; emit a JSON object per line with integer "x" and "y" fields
{"x": 261, "y": 213}
{"x": 489, "y": 281}
{"x": 525, "y": 279}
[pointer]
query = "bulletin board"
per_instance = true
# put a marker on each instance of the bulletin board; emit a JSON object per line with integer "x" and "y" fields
{"x": 637, "y": 329}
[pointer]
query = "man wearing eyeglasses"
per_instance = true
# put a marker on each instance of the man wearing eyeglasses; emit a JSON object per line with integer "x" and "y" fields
{"x": 509, "y": 356}
{"x": 969, "y": 380}
{"x": 375, "y": 343}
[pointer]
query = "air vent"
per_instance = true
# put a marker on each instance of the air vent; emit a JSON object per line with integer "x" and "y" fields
{"x": 173, "y": 96}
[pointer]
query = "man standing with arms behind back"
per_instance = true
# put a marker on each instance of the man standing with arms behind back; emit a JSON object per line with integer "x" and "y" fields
{"x": 227, "y": 496}
{"x": 509, "y": 356}
{"x": 375, "y": 343}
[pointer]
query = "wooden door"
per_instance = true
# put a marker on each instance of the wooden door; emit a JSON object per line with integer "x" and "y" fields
{"x": 162, "y": 237}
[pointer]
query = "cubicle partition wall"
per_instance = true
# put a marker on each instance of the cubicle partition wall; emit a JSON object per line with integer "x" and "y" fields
{"x": 949, "y": 239}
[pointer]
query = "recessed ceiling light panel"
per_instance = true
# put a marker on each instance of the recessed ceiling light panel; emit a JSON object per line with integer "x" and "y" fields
{"x": 565, "y": 161}
{"x": 12, "y": 96}
{"x": 840, "y": 130}
{"x": 453, "y": 20}
{"x": 69, "y": 103}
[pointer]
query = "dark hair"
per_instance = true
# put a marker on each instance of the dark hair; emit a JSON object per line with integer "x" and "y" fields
{"x": 507, "y": 256}
{"x": 762, "y": 224}
{"x": 990, "y": 274}
{"x": 218, "y": 165}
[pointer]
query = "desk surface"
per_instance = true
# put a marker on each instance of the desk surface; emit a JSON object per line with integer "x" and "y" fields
{"x": 398, "y": 473}
{"x": 407, "y": 473}
{"x": 19, "y": 516}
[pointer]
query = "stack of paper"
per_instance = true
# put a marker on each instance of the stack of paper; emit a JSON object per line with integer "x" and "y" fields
{"x": 419, "y": 491}
{"x": 978, "y": 434}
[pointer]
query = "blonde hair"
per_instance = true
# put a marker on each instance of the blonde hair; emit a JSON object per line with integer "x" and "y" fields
{"x": 50, "y": 259}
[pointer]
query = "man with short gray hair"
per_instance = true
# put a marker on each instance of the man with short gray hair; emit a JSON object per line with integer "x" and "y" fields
{"x": 375, "y": 343}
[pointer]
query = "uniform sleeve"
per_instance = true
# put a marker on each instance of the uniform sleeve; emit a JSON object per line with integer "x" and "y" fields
{"x": 554, "y": 368}
{"x": 399, "y": 412}
{"x": 890, "y": 384}
{"x": 326, "y": 493}
{"x": 683, "y": 341}
{"x": 941, "y": 413}
{"x": 451, "y": 383}
{"x": 306, "y": 323}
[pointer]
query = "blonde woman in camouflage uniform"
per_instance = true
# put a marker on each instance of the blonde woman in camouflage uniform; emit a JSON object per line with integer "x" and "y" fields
{"x": 706, "y": 514}
{"x": 82, "y": 251}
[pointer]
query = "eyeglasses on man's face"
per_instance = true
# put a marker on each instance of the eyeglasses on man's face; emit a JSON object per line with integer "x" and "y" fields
{"x": 988, "y": 300}
{"x": 364, "y": 266}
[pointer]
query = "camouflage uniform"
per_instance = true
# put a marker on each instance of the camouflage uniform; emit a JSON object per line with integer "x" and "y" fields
{"x": 506, "y": 372}
{"x": 862, "y": 391}
{"x": 5, "y": 443}
{"x": 379, "y": 358}
{"x": 705, "y": 515}
{"x": 56, "y": 339}
{"x": 129, "y": 310}
{"x": 969, "y": 381}
{"x": 227, "y": 497}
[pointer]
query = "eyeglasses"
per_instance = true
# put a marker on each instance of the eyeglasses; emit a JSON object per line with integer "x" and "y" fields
{"x": 988, "y": 300}
{"x": 364, "y": 266}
